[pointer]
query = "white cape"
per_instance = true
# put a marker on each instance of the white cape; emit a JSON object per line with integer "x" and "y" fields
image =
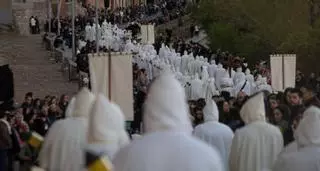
{"x": 257, "y": 145}
{"x": 308, "y": 140}
{"x": 214, "y": 133}
{"x": 168, "y": 144}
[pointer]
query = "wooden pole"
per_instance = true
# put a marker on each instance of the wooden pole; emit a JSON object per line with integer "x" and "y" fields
{"x": 109, "y": 74}
{"x": 283, "y": 75}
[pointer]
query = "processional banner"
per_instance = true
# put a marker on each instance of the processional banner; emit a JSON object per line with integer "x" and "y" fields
{"x": 283, "y": 71}
{"x": 147, "y": 34}
{"x": 111, "y": 75}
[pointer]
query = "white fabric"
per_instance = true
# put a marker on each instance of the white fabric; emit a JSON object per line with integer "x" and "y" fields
{"x": 71, "y": 107}
{"x": 257, "y": 145}
{"x": 210, "y": 89}
{"x": 63, "y": 145}
{"x": 159, "y": 112}
{"x": 292, "y": 147}
{"x": 106, "y": 131}
{"x": 238, "y": 76}
{"x": 169, "y": 130}
{"x": 242, "y": 85}
{"x": 98, "y": 66}
{"x": 147, "y": 33}
{"x": 289, "y": 70}
{"x": 121, "y": 79}
{"x": 276, "y": 72}
{"x": 308, "y": 139}
{"x": 196, "y": 88}
{"x": 214, "y": 133}
{"x": 212, "y": 68}
{"x": 33, "y": 22}
{"x": 220, "y": 73}
{"x": 83, "y": 103}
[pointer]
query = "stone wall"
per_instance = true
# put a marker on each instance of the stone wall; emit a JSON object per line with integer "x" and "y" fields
{"x": 23, "y": 10}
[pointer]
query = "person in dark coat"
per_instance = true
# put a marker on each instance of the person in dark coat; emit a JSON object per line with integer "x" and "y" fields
{"x": 310, "y": 96}
{"x": 6, "y": 85}
{"x": 5, "y": 141}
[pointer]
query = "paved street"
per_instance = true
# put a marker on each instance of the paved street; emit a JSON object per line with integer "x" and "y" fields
{"x": 32, "y": 68}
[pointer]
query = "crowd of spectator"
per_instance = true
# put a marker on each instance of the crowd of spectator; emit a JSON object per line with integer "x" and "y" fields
{"x": 34, "y": 114}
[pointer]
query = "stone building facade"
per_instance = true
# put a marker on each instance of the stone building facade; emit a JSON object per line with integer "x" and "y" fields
{"x": 22, "y": 10}
{"x": 5, "y": 12}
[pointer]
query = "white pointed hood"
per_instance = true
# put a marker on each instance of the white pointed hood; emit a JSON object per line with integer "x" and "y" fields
{"x": 107, "y": 125}
{"x": 248, "y": 71}
{"x": 308, "y": 131}
{"x": 254, "y": 109}
{"x": 165, "y": 107}
{"x": 210, "y": 111}
{"x": 83, "y": 103}
{"x": 204, "y": 73}
{"x": 239, "y": 70}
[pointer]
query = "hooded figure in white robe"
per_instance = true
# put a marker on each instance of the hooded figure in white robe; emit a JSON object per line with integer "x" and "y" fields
{"x": 162, "y": 51}
{"x": 196, "y": 88}
{"x": 263, "y": 85}
{"x": 210, "y": 89}
{"x": 220, "y": 73}
{"x": 226, "y": 84}
{"x": 256, "y": 145}
{"x": 88, "y": 32}
{"x": 242, "y": 85}
{"x": 184, "y": 62}
{"x": 63, "y": 145}
{"x": 93, "y": 33}
{"x": 250, "y": 79}
{"x": 238, "y": 76}
{"x": 168, "y": 143}
{"x": 212, "y": 69}
{"x": 214, "y": 133}
{"x": 106, "y": 133}
{"x": 307, "y": 137}
{"x": 129, "y": 47}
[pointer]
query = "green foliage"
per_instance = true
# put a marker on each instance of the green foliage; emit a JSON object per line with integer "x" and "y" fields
{"x": 255, "y": 29}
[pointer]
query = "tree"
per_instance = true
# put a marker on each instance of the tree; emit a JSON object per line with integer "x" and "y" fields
{"x": 255, "y": 29}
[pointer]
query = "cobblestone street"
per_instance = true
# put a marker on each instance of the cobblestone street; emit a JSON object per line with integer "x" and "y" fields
{"x": 32, "y": 68}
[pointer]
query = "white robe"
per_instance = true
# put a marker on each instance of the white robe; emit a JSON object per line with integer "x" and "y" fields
{"x": 242, "y": 85}
{"x": 308, "y": 140}
{"x": 214, "y": 133}
{"x": 106, "y": 133}
{"x": 212, "y": 70}
{"x": 88, "y": 32}
{"x": 210, "y": 89}
{"x": 64, "y": 143}
{"x": 196, "y": 88}
{"x": 168, "y": 144}
{"x": 257, "y": 145}
{"x": 220, "y": 73}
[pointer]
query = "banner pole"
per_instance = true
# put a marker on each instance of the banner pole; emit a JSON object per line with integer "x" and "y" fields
{"x": 109, "y": 74}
